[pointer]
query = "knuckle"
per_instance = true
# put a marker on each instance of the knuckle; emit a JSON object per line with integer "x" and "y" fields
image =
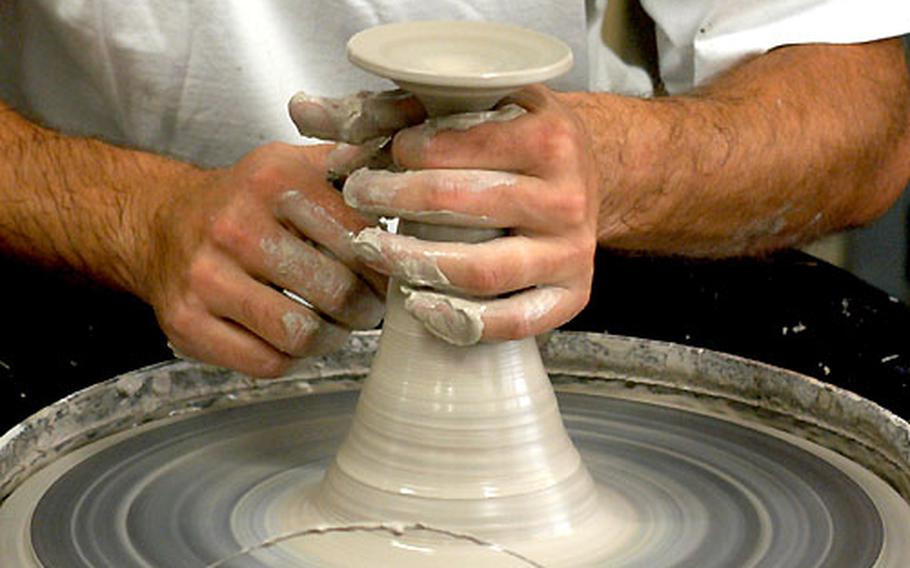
{"x": 202, "y": 276}
{"x": 571, "y": 206}
{"x": 487, "y": 278}
{"x": 556, "y": 142}
{"x": 267, "y": 173}
{"x": 517, "y": 327}
{"x": 584, "y": 296}
{"x": 439, "y": 194}
{"x": 577, "y": 302}
{"x": 229, "y": 233}
{"x": 178, "y": 321}
{"x": 580, "y": 257}
{"x": 340, "y": 297}
{"x": 248, "y": 310}
{"x": 267, "y": 166}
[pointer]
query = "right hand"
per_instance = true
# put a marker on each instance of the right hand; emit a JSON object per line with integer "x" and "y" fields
{"x": 224, "y": 248}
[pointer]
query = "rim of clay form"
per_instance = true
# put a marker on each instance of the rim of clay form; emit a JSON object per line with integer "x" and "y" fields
{"x": 706, "y": 381}
{"x": 459, "y": 66}
{"x": 492, "y": 54}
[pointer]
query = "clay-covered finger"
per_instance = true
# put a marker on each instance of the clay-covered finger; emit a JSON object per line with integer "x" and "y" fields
{"x": 466, "y": 321}
{"x": 355, "y": 118}
{"x": 346, "y": 158}
{"x": 284, "y": 260}
{"x": 537, "y": 143}
{"x": 286, "y": 325}
{"x": 489, "y": 268}
{"x": 468, "y": 120}
{"x": 204, "y": 337}
{"x": 464, "y": 197}
{"x": 328, "y": 221}
{"x": 410, "y": 145}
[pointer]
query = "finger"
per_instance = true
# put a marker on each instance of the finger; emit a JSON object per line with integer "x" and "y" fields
{"x": 325, "y": 219}
{"x": 465, "y": 321}
{"x": 206, "y": 338}
{"x": 468, "y": 120}
{"x": 286, "y": 325}
{"x": 535, "y": 143}
{"x": 355, "y": 118}
{"x": 470, "y": 198}
{"x": 287, "y": 261}
{"x": 409, "y": 144}
{"x": 345, "y": 158}
{"x": 489, "y": 268}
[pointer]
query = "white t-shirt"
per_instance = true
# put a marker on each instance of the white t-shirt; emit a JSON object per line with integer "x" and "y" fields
{"x": 208, "y": 80}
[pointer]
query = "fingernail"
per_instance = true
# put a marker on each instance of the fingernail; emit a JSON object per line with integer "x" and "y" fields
{"x": 409, "y": 145}
{"x": 372, "y": 191}
{"x": 369, "y": 309}
{"x": 311, "y": 117}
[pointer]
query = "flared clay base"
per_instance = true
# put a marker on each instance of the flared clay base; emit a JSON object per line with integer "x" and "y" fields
{"x": 455, "y": 454}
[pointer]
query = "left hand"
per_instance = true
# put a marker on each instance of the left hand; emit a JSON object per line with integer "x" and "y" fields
{"x": 533, "y": 174}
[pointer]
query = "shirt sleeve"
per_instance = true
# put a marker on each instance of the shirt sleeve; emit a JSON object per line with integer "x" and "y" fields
{"x": 697, "y": 39}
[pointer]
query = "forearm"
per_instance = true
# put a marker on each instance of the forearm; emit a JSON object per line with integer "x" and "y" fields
{"x": 798, "y": 142}
{"x": 80, "y": 204}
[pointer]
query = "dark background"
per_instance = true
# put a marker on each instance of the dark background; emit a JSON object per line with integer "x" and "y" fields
{"x": 788, "y": 309}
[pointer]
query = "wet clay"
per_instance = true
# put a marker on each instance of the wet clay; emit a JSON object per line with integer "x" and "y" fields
{"x": 354, "y": 119}
{"x": 419, "y": 268}
{"x": 455, "y": 320}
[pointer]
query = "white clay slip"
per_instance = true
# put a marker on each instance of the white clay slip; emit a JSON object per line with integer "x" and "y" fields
{"x": 380, "y": 192}
{"x": 418, "y": 267}
{"x": 458, "y": 321}
{"x": 467, "y": 120}
{"x": 353, "y": 119}
{"x": 323, "y": 282}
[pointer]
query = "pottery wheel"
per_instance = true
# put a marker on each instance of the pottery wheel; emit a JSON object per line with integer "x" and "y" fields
{"x": 689, "y": 489}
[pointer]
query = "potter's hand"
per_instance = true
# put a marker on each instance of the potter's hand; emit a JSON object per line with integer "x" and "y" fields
{"x": 226, "y": 249}
{"x": 233, "y": 249}
{"x": 362, "y": 124}
{"x": 531, "y": 173}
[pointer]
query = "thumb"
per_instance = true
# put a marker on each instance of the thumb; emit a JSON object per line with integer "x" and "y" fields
{"x": 355, "y": 118}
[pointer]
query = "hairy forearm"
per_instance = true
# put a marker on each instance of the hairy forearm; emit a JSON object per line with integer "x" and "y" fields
{"x": 80, "y": 204}
{"x": 793, "y": 144}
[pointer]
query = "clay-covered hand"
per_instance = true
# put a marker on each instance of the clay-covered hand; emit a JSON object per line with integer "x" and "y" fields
{"x": 228, "y": 250}
{"x": 527, "y": 168}
{"x": 362, "y": 124}
{"x": 235, "y": 255}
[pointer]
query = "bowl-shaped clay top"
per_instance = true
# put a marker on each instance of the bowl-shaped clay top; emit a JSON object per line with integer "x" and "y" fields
{"x": 460, "y": 54}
